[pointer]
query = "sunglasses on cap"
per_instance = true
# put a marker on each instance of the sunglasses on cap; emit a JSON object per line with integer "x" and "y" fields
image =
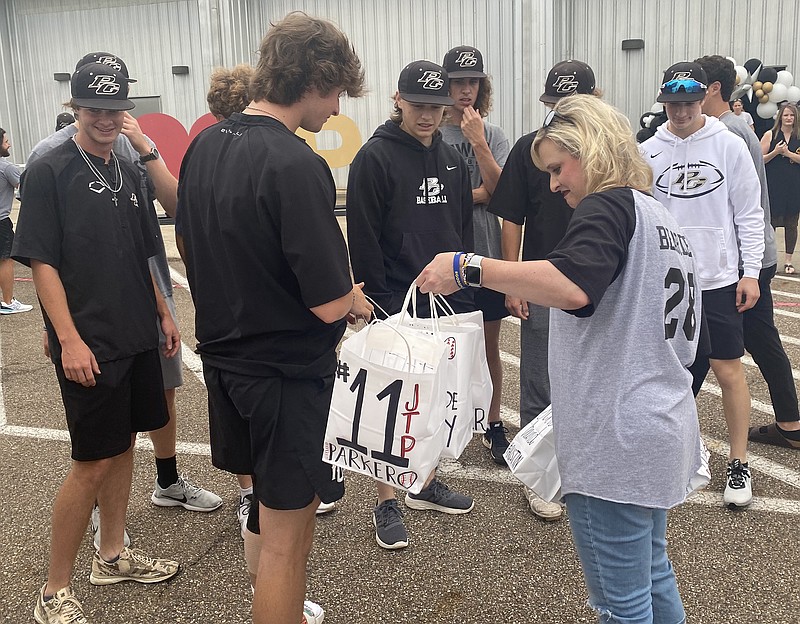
{"x": 552, "y": 116}
{"x": 689, "y": 85}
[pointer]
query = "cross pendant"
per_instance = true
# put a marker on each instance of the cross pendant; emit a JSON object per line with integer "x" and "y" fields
{"x": 114, "y": 199}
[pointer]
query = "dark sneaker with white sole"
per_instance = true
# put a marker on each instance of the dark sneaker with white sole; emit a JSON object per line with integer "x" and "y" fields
{"x": 390, "y": 532}
{"x": 495, "y": 440}
{"x": 438, "y": 497}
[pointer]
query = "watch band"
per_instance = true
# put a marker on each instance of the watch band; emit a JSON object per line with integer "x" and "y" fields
{"x": 153, "y": 155}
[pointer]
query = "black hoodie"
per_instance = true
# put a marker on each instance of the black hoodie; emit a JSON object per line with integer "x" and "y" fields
{"x": 406, "y": 203}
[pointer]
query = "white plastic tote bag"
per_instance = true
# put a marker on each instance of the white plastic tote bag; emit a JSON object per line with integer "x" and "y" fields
{"x": 386, "y": 418}
{"x": 464, "y": 362}
{"x": 531, "y": 456}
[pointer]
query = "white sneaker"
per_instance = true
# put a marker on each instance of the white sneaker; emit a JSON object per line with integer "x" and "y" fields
{"x": 312, "y": 613}
{"x": 14, "y": 307}
{"x": 184, "y": 494}
{"x": 243, "y": 511}
{"x": 95, "y": 524}
{"x": 738, "y": 489}
{"x": 325, "y": 508}
{"x": 541, "y": 508}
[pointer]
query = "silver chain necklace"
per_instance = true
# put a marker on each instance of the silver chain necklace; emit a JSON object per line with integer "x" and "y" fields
{"x": 100, "y": 177}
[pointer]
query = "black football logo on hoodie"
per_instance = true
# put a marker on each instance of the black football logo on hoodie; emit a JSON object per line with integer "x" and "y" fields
{"x": 698, "y": 179}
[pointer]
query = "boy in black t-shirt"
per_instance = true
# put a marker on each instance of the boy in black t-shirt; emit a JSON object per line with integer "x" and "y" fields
{"x": 85, "y": 230}
{"x": 269, "y": 275}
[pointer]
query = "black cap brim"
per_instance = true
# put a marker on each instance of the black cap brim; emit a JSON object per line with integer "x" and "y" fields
{"x": 550, "y": 99}
{"x": 104, "y": 104}
{"x": 681, "y": 96}
{"x": 438, "y": 100}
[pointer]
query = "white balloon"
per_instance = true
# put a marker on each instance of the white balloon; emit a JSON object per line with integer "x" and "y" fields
{"x": 732, "y": 60}
{"x": 793, "y": 94}
{"x": 657, "y": 107}
{"x": 741, "y": 74}
{"x": 785, "y": 78}
{"x": 778, "y": 93}
{"x": 767, "y": 111}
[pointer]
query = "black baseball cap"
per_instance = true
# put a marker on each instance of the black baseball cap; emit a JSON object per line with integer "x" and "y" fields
{"x": 106, "y": 58}
{"x": 683, "y": 82}
{"x": 464, "y": 62}
{"x": 567, "y": 78}
{"x": 425, "y": 82}
{"x": 100, "y": 86}
{"x": 63, "y": 120}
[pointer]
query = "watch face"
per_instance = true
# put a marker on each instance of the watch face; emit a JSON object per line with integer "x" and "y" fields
{"x": 473, "y": 275}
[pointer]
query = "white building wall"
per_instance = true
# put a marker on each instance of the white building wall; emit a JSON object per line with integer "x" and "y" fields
{"x": 673, "y": 30}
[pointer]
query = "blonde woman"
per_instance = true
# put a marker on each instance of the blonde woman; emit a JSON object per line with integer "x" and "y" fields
{"x": 621, "y": 288}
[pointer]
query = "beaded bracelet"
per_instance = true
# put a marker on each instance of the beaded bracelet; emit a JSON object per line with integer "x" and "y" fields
{"x": 457, "y": 270}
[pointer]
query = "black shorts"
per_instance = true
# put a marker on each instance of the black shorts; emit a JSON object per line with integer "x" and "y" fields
{"x": 725, "y": 324}
{"x": 272, "y": 428}
{"x": 6, "y": 238}
{"x": 128, "y": 398}
{"x": 491, "y": 303}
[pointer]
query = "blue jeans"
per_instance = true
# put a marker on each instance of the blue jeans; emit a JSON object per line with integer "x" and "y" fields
{"x": 623, "y": 553}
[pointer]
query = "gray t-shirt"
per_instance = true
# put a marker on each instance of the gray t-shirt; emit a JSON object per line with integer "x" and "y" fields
{"x": 739, "y": 127}
{"x": 485, "y": 224}
{"x": 159, "y": 266}
{"x": 9, "y": 180}
{"x": 624, "y": 417}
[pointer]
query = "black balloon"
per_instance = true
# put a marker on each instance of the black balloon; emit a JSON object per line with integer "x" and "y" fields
{"x": 767, "y": 74}
{"x": 752, "y": 66}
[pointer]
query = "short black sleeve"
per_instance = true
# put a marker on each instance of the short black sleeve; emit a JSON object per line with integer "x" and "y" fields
{"x": 595, "y": 247}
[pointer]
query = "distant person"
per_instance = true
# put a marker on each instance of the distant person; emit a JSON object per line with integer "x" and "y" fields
{"x": 229, "y": 90}
{"x": 781, "y": 148}
{"x": 484, "y": 147}
{"x": 9, "y": 181}
{"x": 738, "y": 109}
{"x": 63, "y": 120}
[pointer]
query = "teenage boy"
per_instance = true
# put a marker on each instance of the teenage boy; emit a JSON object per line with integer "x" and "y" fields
{"x": 268, "y": 269}
{"x": 87, "y": 232}
{"x": 705, "y": 177}
{"x": 523, "y": 197}
{"x": 484, "y": 147}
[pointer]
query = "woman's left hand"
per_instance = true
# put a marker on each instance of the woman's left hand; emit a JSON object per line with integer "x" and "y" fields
{"x": 438, "y": 277}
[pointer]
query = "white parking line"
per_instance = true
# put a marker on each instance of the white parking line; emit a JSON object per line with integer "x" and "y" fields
{"x": 455, "y": 468}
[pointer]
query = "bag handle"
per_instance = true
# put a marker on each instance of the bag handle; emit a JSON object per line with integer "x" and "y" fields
{"x": 411, "y": 298}
{"x": 375, "y": 304}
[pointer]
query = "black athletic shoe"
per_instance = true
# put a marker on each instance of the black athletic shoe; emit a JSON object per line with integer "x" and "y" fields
{"x": 495, "y": 440}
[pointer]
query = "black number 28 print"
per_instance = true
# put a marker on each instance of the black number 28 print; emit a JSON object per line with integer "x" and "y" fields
{"x": 393, "y": 392}
{"x": 685, "y": 287}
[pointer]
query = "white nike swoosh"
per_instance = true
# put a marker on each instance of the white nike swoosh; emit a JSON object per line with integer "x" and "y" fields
{"x": 450, "y": 168}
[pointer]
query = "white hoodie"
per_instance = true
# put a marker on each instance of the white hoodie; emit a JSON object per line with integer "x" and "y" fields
{"x": 709, "y": 184}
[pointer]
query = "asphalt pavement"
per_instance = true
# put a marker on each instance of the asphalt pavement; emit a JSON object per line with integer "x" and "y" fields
{"x": 496, "y": 564}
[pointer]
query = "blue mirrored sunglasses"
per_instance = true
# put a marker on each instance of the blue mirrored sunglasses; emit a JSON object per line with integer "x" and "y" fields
{"x": 552, "y": 116}
{"x": 688, "y": 85}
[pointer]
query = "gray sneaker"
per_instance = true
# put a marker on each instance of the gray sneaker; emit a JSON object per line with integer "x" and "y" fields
{"x": 126, "y": 539}
{"x": 132, "y": 565}
{"x": 62, "y": 608}
{"x": 438, "y": 497}
{"x": 390, "y": 532}
{"x": 184, "y": 494}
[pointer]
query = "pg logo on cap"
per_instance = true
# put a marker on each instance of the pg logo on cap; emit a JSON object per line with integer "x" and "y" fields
{"x": 104, "y": 85}
{"x": 566, "y": 84}
{"x": 681, "y": 75}
{"x": 111, "y": 61}
{"x": 467, "y": 59}
{"x": 432, "y": 80}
